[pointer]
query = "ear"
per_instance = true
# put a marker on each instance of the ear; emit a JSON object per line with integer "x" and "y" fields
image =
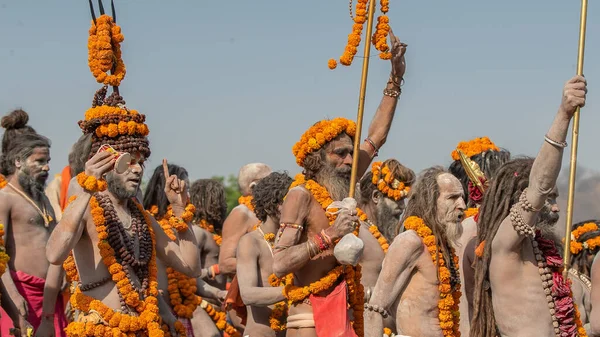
{"x": 18, "y": 164}
{"x": 375, "y": 196}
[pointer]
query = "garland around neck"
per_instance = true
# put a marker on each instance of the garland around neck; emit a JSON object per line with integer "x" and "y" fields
{"x": 449, "y": 316}
{"x": 246, "y": 201}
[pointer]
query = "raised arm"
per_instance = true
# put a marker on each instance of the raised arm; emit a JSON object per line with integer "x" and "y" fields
{"x": 595, "y": 314}
{"x": 68, "y": 231}
{"x": 382, "y": 121}
{"x": 233, "y": 228}
{"x": 398, "y": 266}
{"x": 183, "y": 253}
{"x": 546, "y": 166}
{"x": 248, "y": 273}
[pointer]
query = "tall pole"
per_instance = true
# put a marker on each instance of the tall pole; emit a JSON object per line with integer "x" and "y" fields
{"x": 361, "y": 98}
{"x": 574, "y": 144}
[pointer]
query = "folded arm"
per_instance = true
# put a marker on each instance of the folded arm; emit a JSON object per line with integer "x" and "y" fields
{"x": 397, "y": 269}
{"x": 249, "y": 273}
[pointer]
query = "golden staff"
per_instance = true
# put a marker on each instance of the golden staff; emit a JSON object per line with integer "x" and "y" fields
{"x": 361, "y": 99}
{"x": 574, "y": 141}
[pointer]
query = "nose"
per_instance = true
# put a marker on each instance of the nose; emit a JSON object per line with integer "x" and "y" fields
{"x": 348, "y": 160}
{"x": 555, "y": 208}
{"x": 461, "y": 204}
{"x": 46, "y": 168}
{"x": 136, "y": 168}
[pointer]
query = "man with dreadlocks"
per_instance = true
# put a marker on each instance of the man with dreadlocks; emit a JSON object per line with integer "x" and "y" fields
{"x": 419, "y": 284}
{"x": 382, "y": 192}
{"x": 115, "y": 243}
{"x": 14, "y": 124}
{"x": 480, "y": 160}
{"x": 31, "y": 286}
{"x": 265, "y": 307}
{"x": 318, "y": 284}
{"x": 208, "y": 195}
{"x": 519, "y": 286}
{"x": 179, "y": 291}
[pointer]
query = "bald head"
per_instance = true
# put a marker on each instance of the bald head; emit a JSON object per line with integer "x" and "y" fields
{"x": 250, "y": 174}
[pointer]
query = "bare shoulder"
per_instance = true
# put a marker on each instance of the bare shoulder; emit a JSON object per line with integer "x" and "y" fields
{"x": 298, "y": 196}
{"x": 5, "y": 197}
{"x": 240, "y": 213}
{"x": 406, "y": 243}
{"x": 247, "y": 243}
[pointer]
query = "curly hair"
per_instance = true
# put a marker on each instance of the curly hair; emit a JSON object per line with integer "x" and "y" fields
{"x": 155, "y": 191}
{"x": 208, "y": 195}
{"x": 489, "y": 162}
{"x": 505, "y": 189}
{"x": 268, "y": 194}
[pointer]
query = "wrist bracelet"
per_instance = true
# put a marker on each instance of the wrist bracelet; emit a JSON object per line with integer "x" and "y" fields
{"x": 392, "y": 93}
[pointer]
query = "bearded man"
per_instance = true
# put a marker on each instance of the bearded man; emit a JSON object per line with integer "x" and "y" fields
{"x": 14, "y": 124}
{"x": 255, "y": 260}
{"x": 594, "y": 327}
{"x": 115, "y": 243}
{"x": 519, "y": 287}
{"x": 308, "y": 232}
{"x": 382, "y": 192}
{"x": 31, "y": 287}
{"x": 179, "y": 291}
{"x": 420, "y": 270}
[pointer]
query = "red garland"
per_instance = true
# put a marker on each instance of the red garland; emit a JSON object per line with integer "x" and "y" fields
{"x": 561, "y": 289}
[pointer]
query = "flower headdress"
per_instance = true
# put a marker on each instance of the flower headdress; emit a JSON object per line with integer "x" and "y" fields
{"x": 109, "y": 121}
{"x": 474, "y": 147}
{"x": 580, "y": 241}
{"x": 320, "y": 134}
{"x": 386, "y": 182}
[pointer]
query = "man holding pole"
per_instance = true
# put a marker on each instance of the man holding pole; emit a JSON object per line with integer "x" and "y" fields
{"x": 314, "y": 280}
{"x": 519, "y": 284}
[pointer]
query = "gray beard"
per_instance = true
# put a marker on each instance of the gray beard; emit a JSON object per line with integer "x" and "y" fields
{"x": 386, "y": 222}
{"x": 31, "y": 186}
{"x": 547, "y": 220}
{"x": 337, "y": 183}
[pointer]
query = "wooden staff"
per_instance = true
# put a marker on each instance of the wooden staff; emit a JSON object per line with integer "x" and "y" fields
{"x": 361, "y": 99}
{"x": 574, "y": 143}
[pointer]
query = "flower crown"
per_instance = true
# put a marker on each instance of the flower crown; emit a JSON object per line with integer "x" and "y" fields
{"x": 109, "y": 121}
{"x": 387, "y": 184}
{"x": 474, "y": 147}
{"x": 320, "y": 134}
{"x": 590, "y": 244}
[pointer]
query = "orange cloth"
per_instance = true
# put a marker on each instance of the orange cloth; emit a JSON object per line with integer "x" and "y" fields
{"x": 64, "y": 186}
{"x": 32, "y": 289}
{"x": 234, "y": 300}
{"x": 330, "y": 313}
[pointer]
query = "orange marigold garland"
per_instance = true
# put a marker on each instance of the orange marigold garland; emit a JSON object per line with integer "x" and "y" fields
{"x": 3, "y": 181}
{"x": 246, "y": 201}
{"x": 382, "y": 30}
{"x": 449, "y": 315}
{"x": 590, "y": 244}
{"x": 354, "y": 37}
{"x": 374, "y": 230}
{"x": 179, "y": 329}
{"x": 220, "y": 319}
{"x": 386, "y": 183}
{"x": 470, "y": 212}
{"x": 352, "y": 275}
{"x": 474, "y": 147}
{"x": 118, "y": 323}
{"x": 71, "y": 268}
{"x": 4, "y": 258}
{"x": 211, "y": 229}
{"x": 180, "y": 223}
{"x": 319, "y": 134}
{"x": 104, "y": 51}
{"x": 182, "y": 292}
{"x": 91, "y": 184}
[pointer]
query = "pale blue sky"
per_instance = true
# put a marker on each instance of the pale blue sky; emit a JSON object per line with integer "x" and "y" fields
{"x": 224, "y": 83}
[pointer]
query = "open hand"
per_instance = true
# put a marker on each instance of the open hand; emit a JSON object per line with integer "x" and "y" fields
{"x": 398, "y": 62}
{"x": 574, "y": 95}
{"x": 175, "y": 188}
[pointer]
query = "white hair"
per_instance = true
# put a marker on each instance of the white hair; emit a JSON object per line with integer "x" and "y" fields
{"x": 250, "y": 174}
